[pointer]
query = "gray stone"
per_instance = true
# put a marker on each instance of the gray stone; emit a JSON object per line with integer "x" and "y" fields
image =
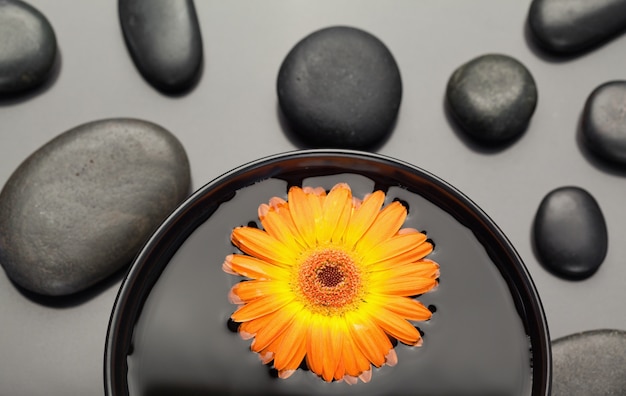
{"x": 492, "y": 98}
{"x": 80, "y": 207}
{"x": 590, "y": 363}
{"x": 27, "y": 47}
{"x": 604, "y": 122}
{"x": 340, "y": 87}
{"x": 570, "y": 233}
{"x": 572, "y": 26}
{"x": 164, "y": 40}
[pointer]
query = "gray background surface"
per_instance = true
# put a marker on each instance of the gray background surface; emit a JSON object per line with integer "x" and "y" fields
{"x": 231, "y": 117}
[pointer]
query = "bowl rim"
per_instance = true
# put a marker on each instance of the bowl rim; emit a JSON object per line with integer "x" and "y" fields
{"x": 136, "y": 286}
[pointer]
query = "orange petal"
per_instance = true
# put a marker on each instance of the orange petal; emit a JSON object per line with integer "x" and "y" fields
{"x": 415, "y": 255}
{"x": 369, "y": 337}
{"x": 332, "y": 346}
{"x": 353, "y": 359}
{"x": 314, "y": 347}
{"x": 260, "y": 244}
{"x": 253, "y": 267}
{"x": 293, "y": 345}
{"x": 340, "y": 370}
{"x": 281, "y": 208}
{"x": 253, "y": 289}
{"x": 396, "y": 326}
{"x": 261, "y": 307}
{"x": 391, "y": 359}
{"x": 335, "y": 213}
{"x": 404, "y": 307}
{"x": 422, "y": 268}
{"x": 366, "y": 376}
{"x": 386, "y": 225}
{"x": 252, "y": 327}
{"x": 272, "y": 329}
{"x": 279, "y": 226}
{"x": 402, "y": 284}
{"x": 393, "y": 247}
{"x": 363, "y": 217}
{"x": 304, "y": 210}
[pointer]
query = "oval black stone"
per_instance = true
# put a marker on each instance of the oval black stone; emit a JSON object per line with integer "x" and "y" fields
{"x": 81, "y": 206}
{"x": 340, "y": 87}
{"x": 28, "y": 47}
{"x": 570, "y": 233}
{"x": 492, "y": 97}
{"x": 568, "y": 27}
{"x": 604, "y": 122}
{"x": 164, "y": 40}
{"x": 589, "y": 363}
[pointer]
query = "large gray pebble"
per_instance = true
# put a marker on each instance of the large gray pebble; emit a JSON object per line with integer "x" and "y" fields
{"x": 592, "y": 363}
{"x": 80, "y": 207}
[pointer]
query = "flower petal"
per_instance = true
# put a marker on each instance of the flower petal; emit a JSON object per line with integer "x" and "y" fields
{"x": 253, "y": 267}
{"x": 260, "y": 244}
{"x": 395, "y": 246}
{"x": 415, "y": 255}
{"x": 294, "y": 344}
{"x": 273, "y": 327}
{"x": 404, "y": 307}
{"x": 279, "y": 225}
{"x": 391, "y": 359}
{"x": 354, "y": 360}
{"x": 324, "y": 345}
{"x": 362, "y": 217}
{"x": 315, "y": 346}
{"x": 335, "y": 213}
{"x": 253, "y": 289}
{"x": 386, "y": 225}
{"x": 333, "y": 344}
{"x": 261, "y": 307}
{"x": 401, "y": 283}
{"x": 421, "y": 268}
{"x": 304, "y": 209}
{"x": 369, "y": 337}
{"x": 396, "y": 326}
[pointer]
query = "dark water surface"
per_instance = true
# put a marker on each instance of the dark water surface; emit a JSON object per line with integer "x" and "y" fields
{"x": 475, "y": 343}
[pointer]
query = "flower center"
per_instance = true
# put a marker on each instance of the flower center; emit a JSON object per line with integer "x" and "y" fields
{"x": 329, "y": 278}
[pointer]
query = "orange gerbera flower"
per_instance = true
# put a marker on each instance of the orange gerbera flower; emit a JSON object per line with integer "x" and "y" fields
{"x": 330, "y": 280}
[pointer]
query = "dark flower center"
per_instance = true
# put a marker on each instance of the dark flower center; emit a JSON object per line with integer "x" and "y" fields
{"x": 329, "y": 278}
{"x": 329, "y": 275}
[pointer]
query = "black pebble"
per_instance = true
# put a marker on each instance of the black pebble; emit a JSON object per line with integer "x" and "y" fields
{"x": 79, "y": 208}
{"x": 589, "y": 363}
{"x": 164, "y": 40}
{"x": 570, "y": 233}
{"x": 604, "y": 122}
{"x": 569, "y": 27}
{"x": 340, "y": 87}
{"x": 28, "y": 47}
{"x": 492, "y": 97}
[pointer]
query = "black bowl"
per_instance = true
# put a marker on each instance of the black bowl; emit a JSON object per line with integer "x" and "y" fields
{"x": 169, "y": 331}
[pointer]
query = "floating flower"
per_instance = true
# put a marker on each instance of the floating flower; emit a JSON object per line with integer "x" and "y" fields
{"x": 330, "y": 281}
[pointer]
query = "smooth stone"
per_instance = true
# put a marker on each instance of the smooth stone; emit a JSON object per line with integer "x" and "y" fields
{"x": 570, "y": 233}
{"x": 28, "y": 47}
{"x": 589, "y": 363}
{"x": 79, "y": 208}
{"x": 340, "y": 87}
{"x": 568, "y": 27}
{"x": 492, "y": 97}
{"x": 604, "y": 122}
{"x": 164, "y": 40}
